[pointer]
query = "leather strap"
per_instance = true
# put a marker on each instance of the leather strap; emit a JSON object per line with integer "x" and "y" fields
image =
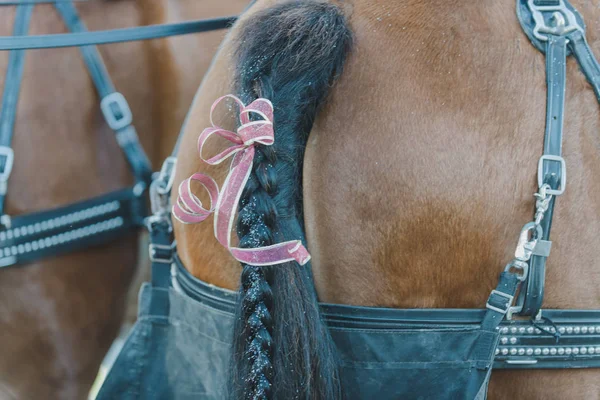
{"x": 114, "y": 106}
{"x": 10, "y": 99}
{"x": 114, "y": 35}
{"x": 552, "y": 171}
{"x": 498, "y": 304}
{"x": 71, "y": 228}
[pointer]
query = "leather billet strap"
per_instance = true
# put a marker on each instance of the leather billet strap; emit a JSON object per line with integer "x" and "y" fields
{"x": 551, "y": 25}
{"x": 551, "y": 169}
{"x": 74, "y": 227}
{"x": 498, "y": 305}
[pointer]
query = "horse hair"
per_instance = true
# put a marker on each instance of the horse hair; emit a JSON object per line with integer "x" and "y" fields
{"x": 291, "y": 54}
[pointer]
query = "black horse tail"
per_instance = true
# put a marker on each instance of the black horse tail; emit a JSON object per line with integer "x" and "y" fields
{"x": 290, "y": 54}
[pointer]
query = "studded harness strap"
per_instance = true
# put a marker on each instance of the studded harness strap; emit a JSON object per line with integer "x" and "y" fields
{"x": 26, "y": 238}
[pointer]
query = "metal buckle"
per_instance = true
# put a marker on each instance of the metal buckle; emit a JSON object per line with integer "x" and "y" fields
{"x": 507, "y": 296}
{"x": 518, "y": 265}
{"x": 166, "y": 176}
{"x": 563, "y": 173}
{"x": 155, "y": 253}
{"x": 564, "y": 20}
{"x": 5, "y": 171}
{"x": 116, "y": 111}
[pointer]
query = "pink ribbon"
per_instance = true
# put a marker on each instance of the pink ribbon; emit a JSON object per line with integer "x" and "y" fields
{"x": 188, "y": 208}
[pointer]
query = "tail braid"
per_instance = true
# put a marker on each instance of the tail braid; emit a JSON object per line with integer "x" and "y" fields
{"x": 290, "y": 53}
{"x": 255, "y": 226}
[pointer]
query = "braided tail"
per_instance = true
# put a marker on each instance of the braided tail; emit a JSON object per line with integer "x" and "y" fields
{"x": 291, "y": 54}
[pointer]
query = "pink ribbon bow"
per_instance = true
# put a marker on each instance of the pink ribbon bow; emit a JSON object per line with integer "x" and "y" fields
{"x": 189, "y": 209}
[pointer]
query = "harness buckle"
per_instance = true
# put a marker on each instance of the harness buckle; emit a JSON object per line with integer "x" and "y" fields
{"x": 560, "y": 22}
{"x": 7, "y": 157}
{"x": 496, "y": 307}
{"x": 563, "y": 173}
{"x": 160, "y": 253}
{"x": 166, "y": 175}
{"x": 116, "y": 111}
{"x": 519, "y": 268}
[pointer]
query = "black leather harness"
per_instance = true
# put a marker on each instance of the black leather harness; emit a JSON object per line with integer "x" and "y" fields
{"x": 552, "y": 339}
{"x": 26, "y": 238}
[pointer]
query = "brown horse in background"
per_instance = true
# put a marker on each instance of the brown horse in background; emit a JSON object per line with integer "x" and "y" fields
{"x": 419, "y": 169}
{"x": 58, "y": 316}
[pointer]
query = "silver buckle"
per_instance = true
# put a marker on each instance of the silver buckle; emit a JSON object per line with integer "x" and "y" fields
{"x": 563, "y": 18}
{"x": 9, "y": 154}
{"x": 563, "y": 173}
{"x": 166, "y": 176}
{"x": 152, "y": 250}
{"x": 523, "y": 266}
{"x": 507, "y": 296}
{"x": 118, "y": 117}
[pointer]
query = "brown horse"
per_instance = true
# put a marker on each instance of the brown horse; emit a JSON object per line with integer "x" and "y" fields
{"x": 419, "y": 169}
{"x": 58, "y": 316}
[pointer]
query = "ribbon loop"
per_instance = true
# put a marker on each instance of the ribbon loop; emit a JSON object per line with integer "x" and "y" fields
{"x": 189, "y": 209}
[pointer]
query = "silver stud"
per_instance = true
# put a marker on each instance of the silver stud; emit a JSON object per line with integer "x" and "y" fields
{"x": 552, "y": 351}
{"x": 575, "y": 350}
{"x": 529, "y": 351}
{"x": 522, "y": 329}
{"x": 513, "y": 329}
{"x": 584, "y": 329}
{"x": 513, "y": 340}
{"x": 560, "y": 351}
{"x": 530, "y": 330}
{"x": 597, "y": 350}
{"x": 521, "y": 351}
{"x": 591, "y": 329}
{"x": 503, "y": 340}
{"x": 561, "y": 329}
{"x": 497, "y": 352}
{"x": 583, "y": 350}
{"x": 591, "y": 350}
{"x": 569, "y": 329}
{"x": 552, "y": 329}
{"x": 538, "y": 330}
{"x": 513, "y": 351}
{"x": 577, "y": 330}
{"x": 545, "y": 351}
{"x": 504, "y": 330}
{"x": 568, "y": 351}
{"x": 537, "y": 351}
{"x": 504, "y": 351}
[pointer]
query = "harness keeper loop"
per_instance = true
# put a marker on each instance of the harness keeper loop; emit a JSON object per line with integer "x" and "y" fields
{"x": 116, "y": 111}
